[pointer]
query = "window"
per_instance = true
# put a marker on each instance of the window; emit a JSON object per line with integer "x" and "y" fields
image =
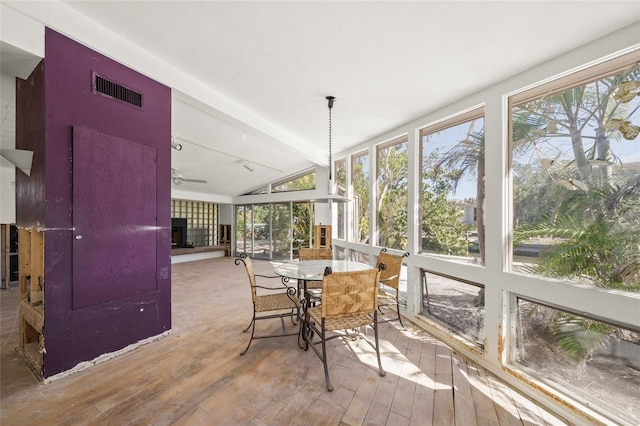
{"x": 282, "y": 235}
{"x": 358, "y": 256}
{"x": 341, "y": 189}
{"x": 576, "y": 178}
{"x": 202, "y": 221}
{"x": 273, "y": 231}
{"x": 456, "y": 304}
{"x": 244, "y": 224}
{"x": 298, "y": 183}
{"x": 360, "y": 183}
{"x": 392, "y": 181}
{"x": 261, "y": 231}
{"x": 253, "y": 230}
{"x": 599, "y": 363}
{"x": 302, "y": 224}
{"x": 453, "y": 188}
{"x": 263, "y": 190}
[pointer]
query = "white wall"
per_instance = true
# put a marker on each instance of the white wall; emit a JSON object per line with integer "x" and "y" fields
{"x": 7, "y": 195}
{"x": 7, "y": 141}
{"x": 226, "y": 214}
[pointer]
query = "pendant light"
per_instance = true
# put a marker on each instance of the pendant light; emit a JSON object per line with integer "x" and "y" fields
{"x": 330, "y": 188}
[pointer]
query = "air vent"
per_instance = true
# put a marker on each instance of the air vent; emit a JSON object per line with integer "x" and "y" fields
{"x": 116, "y": 91}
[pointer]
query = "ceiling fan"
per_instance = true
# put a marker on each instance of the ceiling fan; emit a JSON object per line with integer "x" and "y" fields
{"x": 177, "y": 178}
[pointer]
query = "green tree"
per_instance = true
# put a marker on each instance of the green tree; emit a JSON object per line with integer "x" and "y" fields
{"x": 304, "y": 182}
{"x": 360, "y": 182}
{"x": 281, "y": 229}
{"x": 303, "y": 215}
{"x": 442, "y": 228}
{"x": 392, "y": 196}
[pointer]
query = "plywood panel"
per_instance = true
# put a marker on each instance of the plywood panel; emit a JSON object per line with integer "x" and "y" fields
{"x": 114, "y": 218}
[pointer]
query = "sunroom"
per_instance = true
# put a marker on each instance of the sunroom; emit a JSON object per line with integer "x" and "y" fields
{"x": 513, "y": 186}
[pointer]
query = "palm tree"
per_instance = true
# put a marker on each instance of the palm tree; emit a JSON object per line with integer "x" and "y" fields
{"x": 598, "y": 210}
{"x": 600, "y": 237}
{"x": 601, "y": 105}
{"x": 589, "y": 174}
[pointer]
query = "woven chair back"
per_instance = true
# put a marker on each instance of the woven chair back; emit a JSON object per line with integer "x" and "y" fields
{"x": 248, "y": 265}
{"x": 391, "y": 274}
{"x": 349, "y": 294}
{"x": 315, "y": 254}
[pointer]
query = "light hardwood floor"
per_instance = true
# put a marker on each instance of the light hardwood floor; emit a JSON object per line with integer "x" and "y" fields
{"x": 195, "y": 375}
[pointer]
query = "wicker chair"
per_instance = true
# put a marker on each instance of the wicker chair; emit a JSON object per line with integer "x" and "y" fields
{"x": 315, "y": 254}
{"x": 280, "y": 302}
{"x": 349, "y": 301}
{"x": 390, "y": 276}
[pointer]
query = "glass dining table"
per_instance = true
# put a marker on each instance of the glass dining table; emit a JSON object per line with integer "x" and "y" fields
{"x": 313, "y": 270}
{"x": 305, "y": 271}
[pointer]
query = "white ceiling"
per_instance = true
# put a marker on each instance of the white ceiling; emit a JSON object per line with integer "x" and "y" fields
{"x": 387, "y": 63}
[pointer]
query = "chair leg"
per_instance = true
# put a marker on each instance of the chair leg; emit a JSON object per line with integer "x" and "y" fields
{"x": 253, "y": 320}
{"x": 398, "y": 310}
{"x": 375, "y": 330}
{"x": 253, "y": 329}
{"x": 324, "y": 358}
{"x": 250, "y": 324}
{"x": 284, "y": 330}
{"x": 302, "y": 342}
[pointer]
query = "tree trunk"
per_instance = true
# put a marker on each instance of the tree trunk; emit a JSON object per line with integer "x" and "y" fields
{"x": 603, "y": 152}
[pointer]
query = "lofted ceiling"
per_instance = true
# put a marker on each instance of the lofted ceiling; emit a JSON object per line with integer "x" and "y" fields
{"x": 387, "y": 63}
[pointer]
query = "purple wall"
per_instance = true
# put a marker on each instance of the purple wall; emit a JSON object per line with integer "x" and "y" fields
{"x": 111, "y": 315}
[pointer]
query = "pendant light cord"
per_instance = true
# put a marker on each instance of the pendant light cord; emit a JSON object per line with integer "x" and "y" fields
{"x": 330, "y": 144}
{"x": 330, "y": 100}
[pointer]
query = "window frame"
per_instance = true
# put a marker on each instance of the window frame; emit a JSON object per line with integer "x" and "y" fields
{"x": 451, "y": 121}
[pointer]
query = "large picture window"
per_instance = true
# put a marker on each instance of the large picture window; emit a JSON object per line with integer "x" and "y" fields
{"x": 392, "y": 160}
{"x": 576, "y": 178}
{"x": 595, "y": 361}
{"x": 453, "y": 188}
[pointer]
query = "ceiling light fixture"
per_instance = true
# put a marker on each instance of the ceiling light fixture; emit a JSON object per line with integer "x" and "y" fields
{"x": 248, "y": 166}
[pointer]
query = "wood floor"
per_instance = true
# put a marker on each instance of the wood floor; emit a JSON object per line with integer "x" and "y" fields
{"x": 195, "y": 375}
